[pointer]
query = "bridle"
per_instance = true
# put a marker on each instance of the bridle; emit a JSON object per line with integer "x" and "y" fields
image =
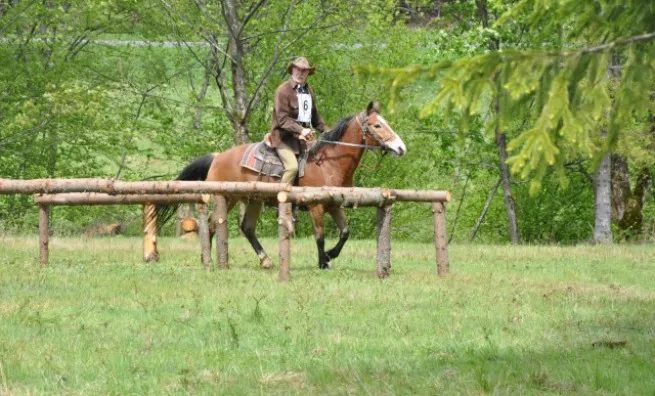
{"x": 365, "y": 132}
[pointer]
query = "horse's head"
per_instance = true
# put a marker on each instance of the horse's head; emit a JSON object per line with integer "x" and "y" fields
{"x": 378, "y": 132}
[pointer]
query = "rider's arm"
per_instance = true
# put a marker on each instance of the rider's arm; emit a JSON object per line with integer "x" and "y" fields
{"x": 283, "y": 113}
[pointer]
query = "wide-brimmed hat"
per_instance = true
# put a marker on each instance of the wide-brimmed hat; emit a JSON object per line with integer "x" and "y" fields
{"x": 301, "y": 63}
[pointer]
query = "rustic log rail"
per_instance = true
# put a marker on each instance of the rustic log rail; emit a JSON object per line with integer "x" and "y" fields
{"x": 79, "y": 199}
{"x": 53, "y": 192}
{"x": 52, "y": 186}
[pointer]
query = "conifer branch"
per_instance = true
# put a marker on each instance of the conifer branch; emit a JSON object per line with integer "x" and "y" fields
{"x": 602, "y": 47}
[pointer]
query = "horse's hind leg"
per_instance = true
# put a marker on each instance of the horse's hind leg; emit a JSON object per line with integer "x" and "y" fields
{"x": 318, "y": 213}
{"x": 339, "y": 217}
{"x": 249, "y": 225}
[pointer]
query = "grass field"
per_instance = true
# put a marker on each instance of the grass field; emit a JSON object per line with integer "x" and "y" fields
{"x": 527, "y": 320}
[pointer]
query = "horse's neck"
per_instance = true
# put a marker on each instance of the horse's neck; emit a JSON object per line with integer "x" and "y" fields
{"x": 342, "y": 160}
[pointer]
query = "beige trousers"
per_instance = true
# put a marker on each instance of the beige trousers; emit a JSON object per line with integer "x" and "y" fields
{"x": 290, "y": 162}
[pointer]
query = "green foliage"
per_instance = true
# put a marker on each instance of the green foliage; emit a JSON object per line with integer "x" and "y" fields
{"x": 564, "y": 84}
{"x": 72, "y": 108}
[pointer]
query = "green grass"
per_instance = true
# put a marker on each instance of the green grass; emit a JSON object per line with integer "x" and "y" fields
{"x": 506, "y": 320}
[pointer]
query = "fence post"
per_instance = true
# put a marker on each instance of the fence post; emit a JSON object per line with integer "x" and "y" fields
{"x": 440, "y": 243}
{"x": 203, "y": 234}
{"x": 150, "y": 233}
{"x": 384, "y": 240}
{"x": 285, "y": 221}
{"x": 220, "y": 216}
{"x": 44, "y": 235}
{"x": 178, "y": 221}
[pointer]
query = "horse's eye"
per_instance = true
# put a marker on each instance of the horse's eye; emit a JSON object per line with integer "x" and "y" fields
{"x": 377, "y": 126}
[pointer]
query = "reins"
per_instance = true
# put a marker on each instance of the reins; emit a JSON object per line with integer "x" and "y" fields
{"x": 364, "y": 125}
{"x": 368, "y": 146}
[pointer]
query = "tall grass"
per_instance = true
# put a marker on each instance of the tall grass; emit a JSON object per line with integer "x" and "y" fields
{"x": 506, "y": 320}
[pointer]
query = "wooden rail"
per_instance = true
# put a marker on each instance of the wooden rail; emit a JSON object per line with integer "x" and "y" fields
{"x": 53, "y": 192}
{"x": 52, "y": 186}
{"x": 78, "y": 199}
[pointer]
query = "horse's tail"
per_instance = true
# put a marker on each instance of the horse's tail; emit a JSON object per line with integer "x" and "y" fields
{"x": 196, "y": 170}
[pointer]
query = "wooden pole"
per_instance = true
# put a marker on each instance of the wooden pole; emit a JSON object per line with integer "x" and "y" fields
{"x": 150, "y": 233}
{"x": 384, "y": 241}
{"x": 398, "y": 194}
{"x": 440, "y": 243}
{"x": 375, "y": 197}
{"x": 51, "y": 186}
{"x": 285, "y": 221}
{"x": 203, "y": 233}
{"x": 44, "y": 235}
{"x": 422, "y": 195}
{"x": 73, "y": 199}
{"x": 220, "y": 216}
{"x": 178, "y": 221}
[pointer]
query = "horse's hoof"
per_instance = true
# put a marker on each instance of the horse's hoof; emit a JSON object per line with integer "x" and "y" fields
{"x": 325, "y": 266}
{"x": 267, "y": 263}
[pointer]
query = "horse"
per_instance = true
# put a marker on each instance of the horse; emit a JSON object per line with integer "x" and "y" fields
{"x": 332, "y": 162}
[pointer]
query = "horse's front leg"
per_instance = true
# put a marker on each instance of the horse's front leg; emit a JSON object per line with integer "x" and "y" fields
{"x": 339, "y": 216}
{"x": 318, "y": 213}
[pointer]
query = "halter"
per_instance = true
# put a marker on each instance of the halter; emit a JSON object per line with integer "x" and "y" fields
{"x": 364, "y": 124}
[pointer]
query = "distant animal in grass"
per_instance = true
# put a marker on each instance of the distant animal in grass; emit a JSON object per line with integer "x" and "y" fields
{"x": 99, "y": 230}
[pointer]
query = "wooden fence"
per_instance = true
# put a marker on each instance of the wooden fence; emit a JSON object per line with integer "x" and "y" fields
{"x": 53, "y": 192}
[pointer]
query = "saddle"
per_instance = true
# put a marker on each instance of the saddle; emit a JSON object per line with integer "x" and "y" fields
{"x": 261, "y": 158}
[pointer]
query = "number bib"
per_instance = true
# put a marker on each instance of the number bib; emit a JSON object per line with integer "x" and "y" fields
{"x": 304, "y": 108}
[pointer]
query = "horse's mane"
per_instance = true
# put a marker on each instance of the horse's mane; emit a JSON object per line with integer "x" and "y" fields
{"x": 334, "y": 135}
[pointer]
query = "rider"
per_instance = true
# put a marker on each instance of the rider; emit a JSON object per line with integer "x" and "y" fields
{"x": 294, "y": 116}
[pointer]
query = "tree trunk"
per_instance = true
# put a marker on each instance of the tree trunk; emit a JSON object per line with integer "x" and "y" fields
{"x": 620, "y": 185}
{"x": 241, "y": 133}
{"x": 501, "y": 143}
{"x": 501, "y": 139}
{"x": 197, "y": 118}
{"x": 236, "y": 51}
{"x": 627, "y": 204}
{"x": 484, "y": 211}
{"x": 603, "y": 206}
{"x": 603, "y": 180}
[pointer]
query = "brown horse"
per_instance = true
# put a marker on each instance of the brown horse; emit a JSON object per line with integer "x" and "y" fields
{"x": 332, "y": 162}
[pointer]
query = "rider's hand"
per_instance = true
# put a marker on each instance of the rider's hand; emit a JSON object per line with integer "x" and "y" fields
{"x": 306, "y": 134}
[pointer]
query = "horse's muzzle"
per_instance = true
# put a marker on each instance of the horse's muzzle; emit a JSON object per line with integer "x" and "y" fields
{"x": 396, "y": 147}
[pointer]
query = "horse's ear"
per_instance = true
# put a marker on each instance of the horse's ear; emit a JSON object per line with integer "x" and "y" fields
{"x": 373, "y": 107}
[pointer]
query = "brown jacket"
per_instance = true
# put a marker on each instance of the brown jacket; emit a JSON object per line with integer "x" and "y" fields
{"x": 284, "y": 127}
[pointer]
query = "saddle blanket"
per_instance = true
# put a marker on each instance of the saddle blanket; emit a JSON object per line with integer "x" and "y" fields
{"x": 262, "y": 159}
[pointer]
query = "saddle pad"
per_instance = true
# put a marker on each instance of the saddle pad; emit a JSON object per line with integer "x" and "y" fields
{"x": 262, "y": 159}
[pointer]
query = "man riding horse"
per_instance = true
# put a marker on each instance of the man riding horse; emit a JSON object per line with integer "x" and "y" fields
{"x": 332, "y": 161}
{"x": 294, "y": 116}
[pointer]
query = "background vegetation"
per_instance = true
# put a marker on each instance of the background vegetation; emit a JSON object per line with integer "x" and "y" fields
{"x": 135, "y": 90}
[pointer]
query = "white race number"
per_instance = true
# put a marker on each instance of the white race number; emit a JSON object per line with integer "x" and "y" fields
{"x": 304, "y": 108}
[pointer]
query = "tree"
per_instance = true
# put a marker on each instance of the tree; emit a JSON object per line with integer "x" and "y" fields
{"x": 500, "y": 137}
{"x": 568, "y": 86}
{"x": 260, "y": 35}
{"x": 563, "y": 81}
{"x": 636, "y": 148}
